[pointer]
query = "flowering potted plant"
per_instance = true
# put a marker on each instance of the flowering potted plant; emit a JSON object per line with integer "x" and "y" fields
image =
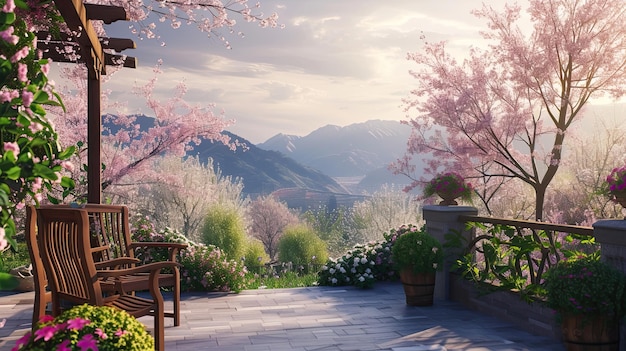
{"x": 88, "y": 327}
{"x": 417, "y": 255}
{"x": 449, "y": 186}
{"x": 589, "y": 297}
{"x": 615, "y": 186}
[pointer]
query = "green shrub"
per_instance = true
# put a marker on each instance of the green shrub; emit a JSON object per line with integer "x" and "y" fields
{"x": 301, "y": 246}
{"x": 255, "y": 256}
{"x": 203, "y": 268}
{"x": 110, "y": 329}
{"x": 224, "y": 228}
{"x": 208, "y": 268}
{"x": 362, "y": 266}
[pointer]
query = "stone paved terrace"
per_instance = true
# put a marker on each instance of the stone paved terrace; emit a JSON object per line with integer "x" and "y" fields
{"x": 316, "y": 318}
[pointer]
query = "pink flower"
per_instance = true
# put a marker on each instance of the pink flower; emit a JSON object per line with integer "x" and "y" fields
{"x": 22, "y": 72}
{"x": 46, "y": 318}
{"x": 77, "y": 323}
{"x": 12, "y": 146}
{"x": 46, "y": 333}
{"x": 101, "y": 333}
{"x": 7, "y": 35}
{"x": 23, "y": 52}
{"x": 9, "y": 6}
{"x": 45, "y": 69}
{"x": 64, "y": 346}
{"x": 67, "y": 165}
{"x": 120, "y": 333}
{"x": 27, "y": 98}
{"x": 21, "y": 342}
{"x": 88, "y": 342}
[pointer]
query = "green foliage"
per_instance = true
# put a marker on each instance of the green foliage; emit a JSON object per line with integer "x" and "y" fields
{"x": 207, "y": 268}
{"x": 509, "y": 258}
{"x": 255, "y": 255}
{"x": 417, "y": 250}
{"x": 301, "y": 246}
{"x": 30, "y": 160}
{"x": 586, "y": 286}
{"x": 288, "y": 279}
{"x": 14, "y": 257}
{"x": 224, "y": 228}
{"x": 204, "y": 267}
{"x": 362, "y": 266}
{"x": 107, "y": 328}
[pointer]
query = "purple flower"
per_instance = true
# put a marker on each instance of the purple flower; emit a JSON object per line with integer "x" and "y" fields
{"x": 77, "y": 323}
{"x": 88, "y": 342}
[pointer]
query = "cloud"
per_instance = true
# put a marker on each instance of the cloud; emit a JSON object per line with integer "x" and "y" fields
{"x": 335, "y": 62}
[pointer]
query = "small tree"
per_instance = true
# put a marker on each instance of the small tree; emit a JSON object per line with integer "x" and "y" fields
{"x": 492, "y": 115}
{"x": 224, "y": 227}
{"x": 301, "y": 246}
{"x": 269, "y": 219}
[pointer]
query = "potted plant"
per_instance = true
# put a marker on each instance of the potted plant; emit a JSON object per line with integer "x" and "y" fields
{"x": 615, "y": 186}
{"x": 449, "y": 186}
{"x": 589, "y": 297}
{"x": 88, "y": 327}
{"x": 416, "y": 256}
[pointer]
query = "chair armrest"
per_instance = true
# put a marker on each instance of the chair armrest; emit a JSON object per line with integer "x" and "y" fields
{"x": 147, "y": 268}
{"x": 115, "y": 263}
{"x": 172, "y": 247}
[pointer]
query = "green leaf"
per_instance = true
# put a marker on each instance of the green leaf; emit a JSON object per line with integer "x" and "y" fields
{"x": 7, "y": 18}
{"x": 13, "y": 173}
{"x": 7, "y": 281}
{"x": 67, "y": 153}
{"x": 68, "y": 182}
{"x": 44, "y": 172}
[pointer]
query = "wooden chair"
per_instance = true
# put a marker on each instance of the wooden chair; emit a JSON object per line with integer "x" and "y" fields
{"x": 64, "y": 245}
{"x": 111, "y": 248}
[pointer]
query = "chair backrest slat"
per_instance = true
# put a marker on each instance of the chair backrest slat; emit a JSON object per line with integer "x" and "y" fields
{"x": 66, "y": 254}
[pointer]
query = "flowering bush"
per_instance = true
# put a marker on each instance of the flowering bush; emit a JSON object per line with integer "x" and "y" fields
{"x": 30, "y": 157}
{"x": 449, "y": 186}
{"x": 416, "y": 249}
{"x": 615, "y": 185}
{"x": 586, "y": 286}
{"x": 362, "y": 266}
{"x": 88, "y": 327}
{"x": 204, "y": 267}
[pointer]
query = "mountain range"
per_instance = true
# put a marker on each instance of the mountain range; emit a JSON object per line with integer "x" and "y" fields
{"x": 333, "y": 164}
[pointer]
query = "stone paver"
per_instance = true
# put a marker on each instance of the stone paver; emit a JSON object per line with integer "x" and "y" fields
{"x": 315, "y": 319}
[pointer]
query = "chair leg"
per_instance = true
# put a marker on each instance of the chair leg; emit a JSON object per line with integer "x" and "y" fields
{"x": 176, "y": 298}
{"x": 159, "y": 314}
{"x": 39, "y": 306}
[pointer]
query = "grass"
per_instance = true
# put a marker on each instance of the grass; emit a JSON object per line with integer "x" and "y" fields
{"x": 10, "y": 259}
{"x": 286, "y": 280}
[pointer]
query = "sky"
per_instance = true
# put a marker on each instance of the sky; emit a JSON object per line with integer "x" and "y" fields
{"x": 335, "y": 62}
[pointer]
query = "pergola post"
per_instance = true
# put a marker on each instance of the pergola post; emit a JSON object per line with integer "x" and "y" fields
{"x": 78, "y": 18}
{"x": 94, "y": 132}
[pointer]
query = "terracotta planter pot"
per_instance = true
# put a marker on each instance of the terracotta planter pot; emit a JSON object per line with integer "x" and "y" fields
{"x": 448, "y": 198}
{"x": 418, "y": 287}
{"x": 590, "y": 333}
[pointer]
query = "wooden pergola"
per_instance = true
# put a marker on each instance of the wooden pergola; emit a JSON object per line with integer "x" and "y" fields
{"x": 90, "y": 47}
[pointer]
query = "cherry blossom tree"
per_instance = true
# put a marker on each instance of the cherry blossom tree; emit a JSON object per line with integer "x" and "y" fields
{"x": 269, "y": 218}
{"x": 504, "y": 112}
{"x": 126, "y": 144}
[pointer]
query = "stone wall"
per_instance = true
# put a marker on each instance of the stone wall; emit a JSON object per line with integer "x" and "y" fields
{"x": 507, "y": 306}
